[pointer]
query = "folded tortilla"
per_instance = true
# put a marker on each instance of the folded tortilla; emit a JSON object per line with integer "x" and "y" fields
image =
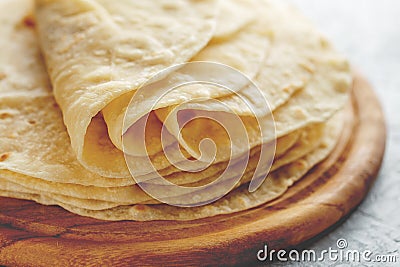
{"x": 238, "y": 200}
{"x": 61, "y": 136}
{"x": 94, "y": 86}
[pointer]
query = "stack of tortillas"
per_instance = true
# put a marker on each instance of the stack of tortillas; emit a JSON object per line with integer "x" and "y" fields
{"x": 69, "y": 70}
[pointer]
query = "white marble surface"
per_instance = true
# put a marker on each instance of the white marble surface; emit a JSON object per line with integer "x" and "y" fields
{"x": 368, "y": 32}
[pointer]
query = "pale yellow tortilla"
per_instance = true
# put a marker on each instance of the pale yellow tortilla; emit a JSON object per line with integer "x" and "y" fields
{"x": 21, "y": 138}
{"x": 32, "y": 131}
{"x": 190, "y": 27}
{"x": 240, "y": 199}
{"x": 44, "y": 144}
{"x": 305, "y": 79}
{"x": 134, "y": 194}
{"x": 298, "y": 55}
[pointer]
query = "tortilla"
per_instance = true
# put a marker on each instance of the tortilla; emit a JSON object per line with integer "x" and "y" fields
{"x": 30, "y": 118}
{"x": 85, "y": 91}
{"x": 60, "y": 138}
{"x": 240, "y": 199}
{"x": 133, "y": 194}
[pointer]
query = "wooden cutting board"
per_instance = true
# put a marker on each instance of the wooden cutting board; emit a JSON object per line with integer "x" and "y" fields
{"x": 36, "y": 235}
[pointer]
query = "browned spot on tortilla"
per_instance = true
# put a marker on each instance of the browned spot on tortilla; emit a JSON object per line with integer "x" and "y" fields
{"x": 32, "y": 122}
{"x": 140, "y": 207}
{"x": 29, "y": 21}
{"x": 5, "y": 115}
{"x": 2, "y": 76}
{"x": 4, "y": 157}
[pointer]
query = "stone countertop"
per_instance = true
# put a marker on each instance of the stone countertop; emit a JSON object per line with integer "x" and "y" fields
{"x": 368, "y": 32}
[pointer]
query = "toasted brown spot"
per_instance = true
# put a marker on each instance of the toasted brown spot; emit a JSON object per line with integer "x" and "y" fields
{"x": 2, "y": 76}
{"x": 301, "y": 164}
{"x": 32, "y": 122}
{"x": 5, "y": 115}
{"x": 323, "y": 145}
{"x": 4, "y": 157}
{"x": 29, "y": 21}
{"x": 140, "y": 207}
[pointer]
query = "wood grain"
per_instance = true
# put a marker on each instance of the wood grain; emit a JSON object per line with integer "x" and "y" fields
{"x": 36, "y": 235}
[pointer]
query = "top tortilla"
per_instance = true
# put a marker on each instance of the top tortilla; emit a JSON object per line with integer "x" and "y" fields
{"x": 97, "y": 56}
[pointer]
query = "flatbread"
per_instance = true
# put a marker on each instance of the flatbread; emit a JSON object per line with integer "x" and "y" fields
{"x": 240, "y": 199}
{"x": 60, "y": 147}
{"x": 134, "y": 194}
{"x": 299, "y": 58}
